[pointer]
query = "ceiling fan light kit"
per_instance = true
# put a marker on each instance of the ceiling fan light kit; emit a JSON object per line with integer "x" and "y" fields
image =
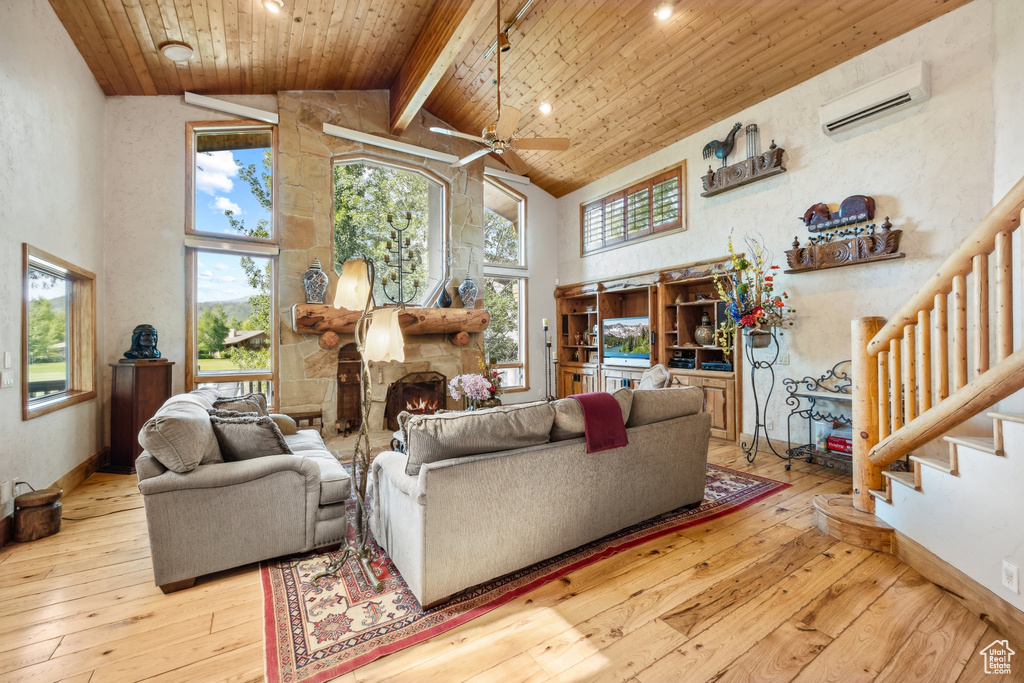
{"x": 503, "y": 43}
{"x": 273, "y": 6}
{"x": 664, "y": 10}
{"x": 177, "y": 52}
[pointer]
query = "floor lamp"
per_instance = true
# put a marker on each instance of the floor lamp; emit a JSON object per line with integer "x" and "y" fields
{"x": 379, "y": 340}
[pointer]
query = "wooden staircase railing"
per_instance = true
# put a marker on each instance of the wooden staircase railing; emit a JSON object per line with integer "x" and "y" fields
{"x": 911, "y": 381}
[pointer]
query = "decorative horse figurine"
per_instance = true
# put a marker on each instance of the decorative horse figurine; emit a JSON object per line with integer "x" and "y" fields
{"x": 722, "y": 149}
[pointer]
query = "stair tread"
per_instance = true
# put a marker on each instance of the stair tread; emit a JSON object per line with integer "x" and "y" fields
{"x": 940, "y": 464}
{"x": 905, "y": 478}
{"x": 1007, "y": 417}
{"x": 880, "y": 495}
{"x": 979, "y": 443}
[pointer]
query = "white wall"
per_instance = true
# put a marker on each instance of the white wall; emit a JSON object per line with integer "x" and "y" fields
{"x": 542, "y": 264}
{"x": 928, "y": 167}
{"x": 51, "y": 194}
{"x": 144, "y": 210}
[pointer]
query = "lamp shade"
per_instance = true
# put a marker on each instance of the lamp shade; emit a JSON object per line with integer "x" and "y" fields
{"x": 353, "y": 286}
{"x": 384, "y": 341}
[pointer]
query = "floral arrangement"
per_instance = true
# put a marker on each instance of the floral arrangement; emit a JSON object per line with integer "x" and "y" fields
{"x": 749, "y": 294}
{"x": 477, "y": 387}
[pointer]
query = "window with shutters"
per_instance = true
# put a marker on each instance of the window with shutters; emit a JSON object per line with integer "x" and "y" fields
{"x": 653, "y": 206}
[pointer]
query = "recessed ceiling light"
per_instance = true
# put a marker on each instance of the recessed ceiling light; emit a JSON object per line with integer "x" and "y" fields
{"x": 177, "y": 52}
{"x": 545, "y": 108}
{"x": 274, "y": 6}
{"x": 664, "y": 10}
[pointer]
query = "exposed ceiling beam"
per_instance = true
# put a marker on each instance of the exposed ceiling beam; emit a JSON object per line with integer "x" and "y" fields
{"x": 450, "y": 26}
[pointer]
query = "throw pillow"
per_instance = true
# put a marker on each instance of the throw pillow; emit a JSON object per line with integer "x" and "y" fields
{"x": 250, "y": 403}
{"x": 217, "y": 412}
{"x": 180, "y": 437}
{"x": 245, "y": 438}
{"x": 655, "y": 377}
{"x": 568, "y": 422}
{"x": 454, "y": 435}
{"x": 658, "y": 405}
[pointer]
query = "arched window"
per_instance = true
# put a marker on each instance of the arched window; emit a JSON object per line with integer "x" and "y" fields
{"x": 366, "y": 192}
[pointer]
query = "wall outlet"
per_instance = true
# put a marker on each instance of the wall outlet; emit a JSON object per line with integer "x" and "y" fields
{"x": 784, "y": 359}
{"x": 1010, "y": 578}
{"x": 7, "y": 359}
{"x": 6, "y": 492}
{"x": 6, "y": 379}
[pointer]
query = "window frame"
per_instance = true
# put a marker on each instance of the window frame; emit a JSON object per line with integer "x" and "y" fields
{"x": 524, "y": 327}
{"x": 623, "y": 194}
{"x": 521, "y": 198}
{"x": 197, "y": 242}
{"x": 80, "y": 337}
{"x": 446, "y": 204}
{"x": 195, "y": 127}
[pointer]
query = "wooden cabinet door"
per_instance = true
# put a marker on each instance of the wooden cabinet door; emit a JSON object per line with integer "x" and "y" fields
{"x": 718, "y": 402}
{"x": 589, "y": 380}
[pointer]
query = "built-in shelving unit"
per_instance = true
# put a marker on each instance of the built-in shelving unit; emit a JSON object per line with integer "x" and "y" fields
{"x": 675, "y": 300}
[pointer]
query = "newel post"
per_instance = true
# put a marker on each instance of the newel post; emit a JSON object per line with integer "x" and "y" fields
{"x": 866, "y": 476}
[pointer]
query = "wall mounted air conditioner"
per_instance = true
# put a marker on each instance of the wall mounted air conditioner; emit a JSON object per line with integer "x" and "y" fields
{"x": 899, "y": 89}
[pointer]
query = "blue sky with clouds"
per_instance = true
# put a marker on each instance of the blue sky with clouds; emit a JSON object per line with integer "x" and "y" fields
{"x": 219, "y": 188}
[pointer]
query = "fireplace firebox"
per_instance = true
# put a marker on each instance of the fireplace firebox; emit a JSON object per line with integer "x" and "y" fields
{"x": 420, "y": 393}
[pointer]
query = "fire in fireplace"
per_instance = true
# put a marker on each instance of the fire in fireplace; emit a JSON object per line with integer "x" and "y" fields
{"x": 421, "y": 393}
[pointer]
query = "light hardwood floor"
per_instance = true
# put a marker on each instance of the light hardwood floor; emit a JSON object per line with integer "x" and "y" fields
{"x": 758, "y": 595}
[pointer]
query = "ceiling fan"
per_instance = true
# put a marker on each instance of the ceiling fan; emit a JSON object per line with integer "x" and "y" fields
{"x": 501, "y": 137}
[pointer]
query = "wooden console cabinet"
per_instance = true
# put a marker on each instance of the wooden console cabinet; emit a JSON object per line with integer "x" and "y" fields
{"x": 138, "y": 390}
{"x": 675, "y": 299}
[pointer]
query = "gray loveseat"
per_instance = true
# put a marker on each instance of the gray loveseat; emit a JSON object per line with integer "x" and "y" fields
{"x": 212, "y": 515}
{"x": 482, "y": 494}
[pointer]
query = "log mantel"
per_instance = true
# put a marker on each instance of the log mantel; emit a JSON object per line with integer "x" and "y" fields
{"x": 320, "y": 318}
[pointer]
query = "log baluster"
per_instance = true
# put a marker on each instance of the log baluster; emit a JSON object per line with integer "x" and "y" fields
{"x": 910, "y": 373}
{"x": 959, "y": 332}
{"x": 941, "y": 338}
{"x": 1004, "y": 295}
{"x": 924, "y": 362}
{"x": 896, "y": 385}
{"x": 981, "y": 313}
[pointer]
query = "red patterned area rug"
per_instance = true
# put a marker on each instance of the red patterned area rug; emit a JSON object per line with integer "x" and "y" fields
{"x": 316, "y": 633}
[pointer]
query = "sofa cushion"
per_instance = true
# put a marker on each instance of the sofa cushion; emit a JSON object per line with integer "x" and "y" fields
{"x": 207, "y": 396}
{"x": 452, "y": 435}
{"x": 335, "y": 482}
{"x": 658, "y": 405}
{"x": 250, "y": 403}
{"x": 305, "y": 440}
{"x": 568, "y": 422}
{"x": 655, "y": 377}
{"x": 180, "y": 436}
{"x": 244, "y": 438}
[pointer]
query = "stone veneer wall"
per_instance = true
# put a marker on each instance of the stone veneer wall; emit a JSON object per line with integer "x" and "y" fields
{"x": 308, "y": 374}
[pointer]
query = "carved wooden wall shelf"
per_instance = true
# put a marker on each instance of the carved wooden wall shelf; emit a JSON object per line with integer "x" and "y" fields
{"x": 862, "y": 248}
{"x": 744, "y": 172}
{"x": 320, "y": 318}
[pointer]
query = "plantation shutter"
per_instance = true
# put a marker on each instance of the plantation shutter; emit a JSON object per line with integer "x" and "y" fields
{"x": 665, "y": 202}
{"x": 638, "y": 208}
{"x": 615, "y": 219}
{"x": 593, "y": 226}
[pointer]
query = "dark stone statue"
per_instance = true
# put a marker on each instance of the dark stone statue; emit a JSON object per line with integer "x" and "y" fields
{"x": 144, "y": 340}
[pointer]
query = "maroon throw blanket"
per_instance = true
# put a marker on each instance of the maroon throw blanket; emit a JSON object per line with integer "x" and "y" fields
{"x": 602, "y": 421}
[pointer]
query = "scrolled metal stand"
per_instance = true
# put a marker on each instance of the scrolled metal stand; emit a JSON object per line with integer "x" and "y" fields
{"x": 760, "y": 426}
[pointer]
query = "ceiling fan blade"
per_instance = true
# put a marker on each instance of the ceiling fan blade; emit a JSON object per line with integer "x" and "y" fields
{"x": 559, "y": 144}
{"x": 456, "y": 134}
{"x": 508, "y": 119}
{"x": 472, "y": 157}
{"x": 515, "y": 162}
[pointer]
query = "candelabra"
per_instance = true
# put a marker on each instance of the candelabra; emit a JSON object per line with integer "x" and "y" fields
{"x": 399, "y": 247}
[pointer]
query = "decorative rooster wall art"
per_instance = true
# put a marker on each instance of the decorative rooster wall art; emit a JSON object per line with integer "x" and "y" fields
{"x": 722, "y": 148}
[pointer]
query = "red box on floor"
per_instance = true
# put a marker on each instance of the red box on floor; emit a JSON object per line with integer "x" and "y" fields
{"x": 838, "y": 444}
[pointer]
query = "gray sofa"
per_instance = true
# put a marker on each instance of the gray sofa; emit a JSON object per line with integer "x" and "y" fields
{"x": 473, "y": 500}
{"x": 213, "y": 515}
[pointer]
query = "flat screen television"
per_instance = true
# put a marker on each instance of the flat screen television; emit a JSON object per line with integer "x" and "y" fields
{"x": 627, "y": 341}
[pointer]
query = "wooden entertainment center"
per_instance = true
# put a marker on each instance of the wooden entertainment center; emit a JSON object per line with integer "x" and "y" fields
{"x": 674, "y": 300}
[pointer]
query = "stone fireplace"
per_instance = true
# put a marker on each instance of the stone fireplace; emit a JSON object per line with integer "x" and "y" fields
{"x": 420, "y": 393}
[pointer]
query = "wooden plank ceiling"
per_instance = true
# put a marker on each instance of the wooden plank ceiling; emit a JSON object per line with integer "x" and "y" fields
{"x": 622, "y": 83}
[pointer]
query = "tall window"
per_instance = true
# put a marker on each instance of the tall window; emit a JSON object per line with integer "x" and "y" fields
{"x": 652, "y": 206}
{"x": 59, "y": 339}
{"x": 232, "y": 260}
{"x": 505, "y": 282}
{"x": 365, "y": 193}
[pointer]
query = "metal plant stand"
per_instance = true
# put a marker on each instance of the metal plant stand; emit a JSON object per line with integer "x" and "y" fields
{"x": 760, "y": 410}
